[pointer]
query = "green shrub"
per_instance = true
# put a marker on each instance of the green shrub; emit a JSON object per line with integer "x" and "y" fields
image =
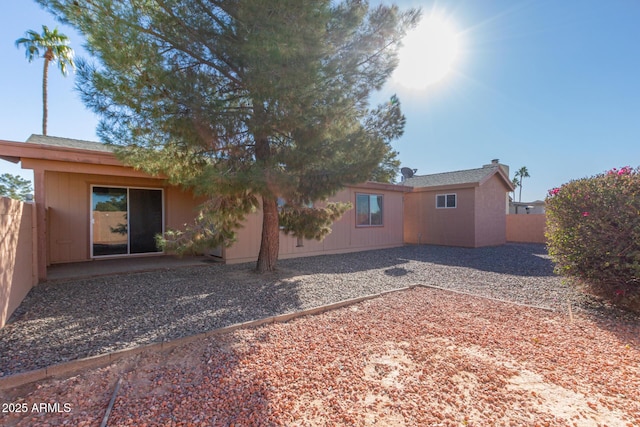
{"x": 593, "y": 234}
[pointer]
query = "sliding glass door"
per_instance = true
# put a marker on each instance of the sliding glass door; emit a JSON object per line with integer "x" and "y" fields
{"x": 125, "y": 220}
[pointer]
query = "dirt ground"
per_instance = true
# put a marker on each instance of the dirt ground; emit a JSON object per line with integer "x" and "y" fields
{"x": 422, "y": 357}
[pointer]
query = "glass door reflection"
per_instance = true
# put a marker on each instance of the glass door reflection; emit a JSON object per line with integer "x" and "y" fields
{"x": 110, "y": 221}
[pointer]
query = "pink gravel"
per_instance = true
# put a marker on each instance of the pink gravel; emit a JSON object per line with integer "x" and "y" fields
{"x": 414, "y": 358}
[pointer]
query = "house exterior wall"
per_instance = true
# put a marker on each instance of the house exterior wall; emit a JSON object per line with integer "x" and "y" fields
{"x": 68, "y": 199}
{"x": 345, "y": 235}
{"x": 426, "y": 224}
{"x": 181, "y": 207}
{"x": 491, "y": 213}
{"x": 526, "y": 228}
{"x": 65, "y": 171}
{"x": 18, "y": 266}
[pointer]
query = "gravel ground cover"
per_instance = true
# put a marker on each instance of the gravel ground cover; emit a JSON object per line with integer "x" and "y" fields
{"x": 419, "y": 357}
{"x": 66, "y": 321}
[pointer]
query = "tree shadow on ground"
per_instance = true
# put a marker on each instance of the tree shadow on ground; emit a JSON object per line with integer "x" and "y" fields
{"x": 160, "y": 386}
{"x": 513, "y": 258}
{"x": 81, "y": 318}
{"x": 215, "y": 371}
{"x": 624, "y": 324}
{"x": 69, "y": 320}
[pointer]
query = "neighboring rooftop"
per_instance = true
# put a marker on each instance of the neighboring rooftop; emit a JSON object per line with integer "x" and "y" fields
{"x": 468, "y": 176}
{"x": 77, "y": 144}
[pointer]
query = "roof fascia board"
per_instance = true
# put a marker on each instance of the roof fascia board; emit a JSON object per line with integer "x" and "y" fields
{"x": 10, "y": 159}
{"x": 500, "y": 172}
{"x": 382, "y": 186}
{"x": 26, "y": 150}
{"x": 85, "y": 168}
{"x": 446, "y": 187}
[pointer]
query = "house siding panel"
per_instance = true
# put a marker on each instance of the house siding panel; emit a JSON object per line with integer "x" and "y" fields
{"x": 425, "y": 224}
{"x": 491, "y": 213}
{"x": 345, "y": 236}
{"x": 180, "y": 207}
{"x": 68, "y": 205}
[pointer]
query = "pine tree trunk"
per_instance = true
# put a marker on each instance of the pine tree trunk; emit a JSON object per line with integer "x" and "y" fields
{"x": 44, "y": 96}
{"x": 270, "y": 243}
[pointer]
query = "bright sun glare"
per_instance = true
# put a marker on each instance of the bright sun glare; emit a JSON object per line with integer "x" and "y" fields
{"x": 428, "y": 53}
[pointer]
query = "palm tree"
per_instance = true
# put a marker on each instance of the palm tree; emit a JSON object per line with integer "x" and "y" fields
{"x": 515, "y": 183}
{"x": 520, "y": 175}
{"x": 53, "y": 46}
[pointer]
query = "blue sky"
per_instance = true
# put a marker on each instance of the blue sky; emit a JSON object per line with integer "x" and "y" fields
{"x": 551, "y": 85}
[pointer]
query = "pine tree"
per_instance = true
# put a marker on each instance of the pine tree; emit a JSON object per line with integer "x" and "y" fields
{"x": 244, "y": 102}
{"x": 15, "y": 187}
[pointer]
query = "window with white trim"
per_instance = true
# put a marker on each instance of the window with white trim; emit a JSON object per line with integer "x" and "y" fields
{"x": 369, "y": 209}
{"x": 446, "y": 201}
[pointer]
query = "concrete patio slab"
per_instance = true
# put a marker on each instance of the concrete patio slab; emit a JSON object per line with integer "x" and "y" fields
{"x": 105, "y": 267}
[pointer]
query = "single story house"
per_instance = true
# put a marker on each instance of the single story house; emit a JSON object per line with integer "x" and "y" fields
{"x": 89, "y": 206}
{"x": 463, "y": 208}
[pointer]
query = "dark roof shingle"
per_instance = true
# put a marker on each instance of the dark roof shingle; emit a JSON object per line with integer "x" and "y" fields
{"x": 469, "y": 176}
{"x": 77, "y": 144}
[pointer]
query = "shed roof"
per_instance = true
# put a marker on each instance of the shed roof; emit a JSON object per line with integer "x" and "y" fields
{"x": 469, "y": 176}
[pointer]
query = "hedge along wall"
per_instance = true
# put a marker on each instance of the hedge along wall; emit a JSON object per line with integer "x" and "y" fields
{"x": 18, "y": 266}
{"x": 526, "y": 228}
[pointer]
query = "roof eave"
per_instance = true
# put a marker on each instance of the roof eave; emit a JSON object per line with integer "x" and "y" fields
{"x": 372, "y": 185}
{"x": 445, "y": 187}
{"x": 502, "y": 175}
{"x": 27, "y": 150}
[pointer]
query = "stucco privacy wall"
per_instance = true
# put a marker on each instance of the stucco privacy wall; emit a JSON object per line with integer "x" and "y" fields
{"x": 526, "y": 228}
{"x": 68, "y": 210}
{"x": 18, "y": 268}
{"x": 345, "y": 236}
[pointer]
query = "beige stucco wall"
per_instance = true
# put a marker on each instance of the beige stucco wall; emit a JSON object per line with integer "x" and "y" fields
{"x": 526, "y": 228}
{"x": 68, "y": 195}
{"x": 18, "y": 268}
{"x": 68, "y": 198}
{"x": 491, "y": 213}
{"x": 345, "y": 235}
{"x": 425, "y": 224}
{"x": 479, "y": 219}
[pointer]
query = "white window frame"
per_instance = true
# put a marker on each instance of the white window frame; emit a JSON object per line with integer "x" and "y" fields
{"x": 381, "y": 210}
{"x": 128, "y": 254}
{"x": 446, "y": 201}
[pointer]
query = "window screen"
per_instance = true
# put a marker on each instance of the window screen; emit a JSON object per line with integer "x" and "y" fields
{"x": 369, "y": 209}
{"x": 446, "y": 201}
